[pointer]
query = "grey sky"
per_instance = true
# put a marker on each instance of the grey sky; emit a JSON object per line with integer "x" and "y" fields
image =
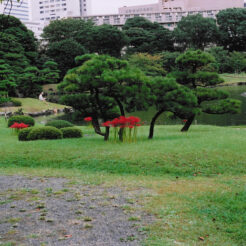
{"x": 111, "y": 6}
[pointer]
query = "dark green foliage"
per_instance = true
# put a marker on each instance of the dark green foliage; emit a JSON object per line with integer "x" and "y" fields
{"x": 229, "y": 62}
{"x": 13, "y": 26}
{"x": 151, "y": 65}
{"x": 7, "y": 78}
{"x": 169, "y": 60}
{"x": 194, "y": 71}
{"x": 16, "y": 102}
{"x": 18, "y": 52}
{"x": 77, "y": 29}
{"x": 64, "y": 52}
{"x": 4, "y": 97}
{"x": 232, "y": 27}
{"x": 23, "y": 134}
{"x": 59, "y": 124}
{"x": 71, "y": 132}
{"x": 45, "y": 133}
{"x": 171, "y": 97}
{"x": 50, "y": 73}
{"x": 21, "y": 119}
{"x": 195, "y": 31}
{"x": 29, "y": 82}
{"x": 108, "y": 40}
{"x": 147, "y": 37}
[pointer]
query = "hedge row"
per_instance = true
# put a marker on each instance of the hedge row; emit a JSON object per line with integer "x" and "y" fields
{"x": 59, "y": 124}
{"x": 48, "y": 133}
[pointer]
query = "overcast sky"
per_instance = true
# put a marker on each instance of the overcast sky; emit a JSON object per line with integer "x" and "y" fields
{"x": 111, "y": 6}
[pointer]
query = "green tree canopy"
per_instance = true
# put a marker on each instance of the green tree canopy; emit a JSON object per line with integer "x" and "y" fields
{"x": 64, "y": 52}
{"x": 151, "y": 65}
{"x": 29, "y": 82}
{"x": 169, "y": 96}
{"x": 104, "y": 86}
{"x": 107, "y": 39}
{"x": 232, "y": 27}
{"x": 195, "y": 73}
{"x": 13, "y": 26}
{"x": 50, "y": 73}
{"x": 195, "y": 31}
{"x": 147, "y": 37}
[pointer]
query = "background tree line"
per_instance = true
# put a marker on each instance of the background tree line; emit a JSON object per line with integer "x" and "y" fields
{"x": 118, "y": 71}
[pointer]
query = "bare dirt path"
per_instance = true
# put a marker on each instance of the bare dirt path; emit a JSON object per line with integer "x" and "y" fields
{"x": 55, "y": 211}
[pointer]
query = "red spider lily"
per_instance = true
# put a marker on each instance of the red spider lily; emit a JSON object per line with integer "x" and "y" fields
{"x": 19, "y": 126}
{"x": 106, "y": 124}
{"x": 88, "y": 119}
{"x": 123, "y": 122}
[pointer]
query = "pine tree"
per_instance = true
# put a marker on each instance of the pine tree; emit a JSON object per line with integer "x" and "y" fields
{"x": 196, "y": 72}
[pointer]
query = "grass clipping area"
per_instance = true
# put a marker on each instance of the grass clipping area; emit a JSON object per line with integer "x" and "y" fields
{"x": 196, "y": 180}
{"x": 31, "y": 105}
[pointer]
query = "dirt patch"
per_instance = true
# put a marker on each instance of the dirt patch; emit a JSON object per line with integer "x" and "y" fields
{"x": 55, "y": 211}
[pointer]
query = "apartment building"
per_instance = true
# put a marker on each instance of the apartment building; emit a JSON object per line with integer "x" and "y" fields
{"x": 48, "y": 10}
{"x": 182, "y": 5}
{"x": 20, "y": 10}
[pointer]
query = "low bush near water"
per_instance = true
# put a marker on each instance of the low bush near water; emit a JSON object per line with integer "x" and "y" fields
{"x": 71, "y": 132}
{"x": 59, "y": 124}
{"x": 21, "y": 119}
{"x": 45, "y": 133}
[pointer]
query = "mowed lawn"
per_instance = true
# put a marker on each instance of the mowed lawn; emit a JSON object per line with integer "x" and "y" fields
{"x": 233, "y": 78}
{"x": 196, "y": 180}
{"x": 30, "y": 105}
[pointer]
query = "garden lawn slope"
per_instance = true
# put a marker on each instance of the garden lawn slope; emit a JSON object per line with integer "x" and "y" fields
{"x": 196, "y": 180}
{"x": 233, "y": 78}
{"x": 30, "y": 105}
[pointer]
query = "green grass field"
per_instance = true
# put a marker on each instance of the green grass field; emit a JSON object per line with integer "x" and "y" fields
{"x": 196, "y": 180}
{"x": 30, "y": 105}
{"x": 233, "y": 78}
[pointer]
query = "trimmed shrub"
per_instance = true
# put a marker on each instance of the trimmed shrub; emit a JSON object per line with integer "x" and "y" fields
{"x": 45, "y": 133}
{"x": 71, "y": 132}
{"x": 59, "y": 124}
{"x": 16, "y": 102}
{"x": 23, "y": 134}
{"x": 21, "y": 119}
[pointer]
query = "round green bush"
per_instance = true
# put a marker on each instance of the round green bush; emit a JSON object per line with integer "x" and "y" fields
{"x": 71, "y": 132}
{"x": 59, "y": 124}
{"x": 45, "y": 133}
{"x": 23, "y": 134}
{"x": 16, "y": 102}
{"x": 28, "y": 120}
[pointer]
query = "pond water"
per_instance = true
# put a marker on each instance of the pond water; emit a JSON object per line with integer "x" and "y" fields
{"x": 220, "y": 120}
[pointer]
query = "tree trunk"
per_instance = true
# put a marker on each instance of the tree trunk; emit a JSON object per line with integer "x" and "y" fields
{"x": 188, "y": 123}
{"x": 152, "y": 124}
{"x": 122, "y": 112}
{"x": 107, "y": 134}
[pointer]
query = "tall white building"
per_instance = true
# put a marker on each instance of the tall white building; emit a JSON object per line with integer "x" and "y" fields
{"x": 48, "y": 10}
{"x": 20, "y": 10}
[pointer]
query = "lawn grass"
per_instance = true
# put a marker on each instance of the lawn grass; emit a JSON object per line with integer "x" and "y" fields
{"x": 233, "y": 78}
{"x": 196, "y": 180}
{"x": 30, "y": 105}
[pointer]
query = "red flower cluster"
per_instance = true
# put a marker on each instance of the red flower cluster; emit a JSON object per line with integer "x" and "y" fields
{"x": 123, "y": 122}
{"x": 88, "y": 119}
{"x": 19, "y": 126}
